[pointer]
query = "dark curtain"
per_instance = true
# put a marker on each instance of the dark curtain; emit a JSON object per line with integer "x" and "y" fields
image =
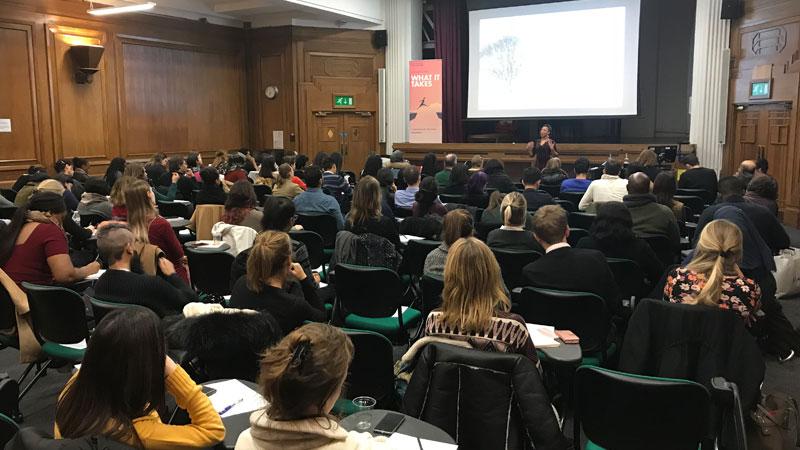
{"x": 450, "y": 20}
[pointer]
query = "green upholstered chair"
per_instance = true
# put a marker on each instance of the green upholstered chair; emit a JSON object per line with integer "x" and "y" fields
{"x": 59, "y": 321}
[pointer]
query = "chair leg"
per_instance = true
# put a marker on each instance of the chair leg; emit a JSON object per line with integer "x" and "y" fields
{"x": 36, "y": 377}
{"x": 27, "y": 371}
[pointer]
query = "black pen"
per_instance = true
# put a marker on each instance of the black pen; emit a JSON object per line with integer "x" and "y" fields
{"x": 420, "y": 444}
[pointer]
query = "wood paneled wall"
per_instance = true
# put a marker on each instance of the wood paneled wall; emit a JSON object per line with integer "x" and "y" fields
{"x": 767, "y": 39}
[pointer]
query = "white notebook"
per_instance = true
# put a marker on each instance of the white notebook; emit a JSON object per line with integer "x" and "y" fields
{"x": 543, "y": 336}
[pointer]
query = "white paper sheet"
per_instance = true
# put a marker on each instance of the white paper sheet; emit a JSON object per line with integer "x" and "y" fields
{"x": 210, "y": 244}
{"x": 400, "y": 441}
{"x": 402, "y": 308}
{"x": 404, "y": 238}
{"x": 277, "y": 139}
{"x": 77, "y": 346}
{"x": 5, "y": 125}
{"x": 543, "y": 336}
{"x": 234, "y": 392}
{"x": 97, "y": 275}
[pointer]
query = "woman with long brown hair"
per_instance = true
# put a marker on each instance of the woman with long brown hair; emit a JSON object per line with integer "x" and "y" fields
{"x": 149, "y": 227}
{"x": 365, "y": 212}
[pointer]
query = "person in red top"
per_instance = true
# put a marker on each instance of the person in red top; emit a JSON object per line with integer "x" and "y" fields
{"x": 148, "y": 226}
{"x": 235, "y": 169}
{"x": 34, "y": 248}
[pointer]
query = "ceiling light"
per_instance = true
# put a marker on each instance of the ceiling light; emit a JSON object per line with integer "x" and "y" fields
{"x": 121, "y": 9}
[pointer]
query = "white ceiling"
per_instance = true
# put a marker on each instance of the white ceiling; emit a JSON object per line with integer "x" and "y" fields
{"x": 265, "y": 13}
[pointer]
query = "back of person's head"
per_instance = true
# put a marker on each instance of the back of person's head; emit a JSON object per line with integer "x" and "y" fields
{"x": 80, "y": 163}
{"x": 241, "y": 195}
{"x": 495, "y": 199}
{"x": 121, "y": 378}
{"x": 718, "y": 253}
{"x": 450, "y": 160}
{"x": 477, "y": 183}
{"x": 411, "y": 175}
{"x": 278, "y": 155}
{"x": 612, "y": 167}
{"x": 113, "y": 240}
{"x": 157, "y": 158}
{"x": 95, "y": 185}
{"x": 581, "y": 165}
{"x": 117, "y": 195}
{"x": 313, "y": 176}
{"x": 493, "y": 166}
{"x": 302, "y": 376}
{"x": 140, "y": 207}
{"x": 427, "y": 194}
{"x": 336, "y": 157}
{"x": 116, "y": 165}
{"x": 385, "y": 178}
{"x": 397, "y": 156}
{"x": 35, "y": 168}
{"x": 42, "y": 204}
{"x": 372, "y": 165}
{"x": 531, "y": 176}
{"x": 457, "y": 224}
{"x": 235, "y": 161}
{"x": 135, "y": 170}
{"x": 747, "y": 168}
{"x": 459, "y": 175}
{"x": 267, "y": 165}
{"x": 51, "y": 185}
{"x": 193, "y": 159}
{"x": 60, "y": 166}
{"x": 290, "y": 159}
{"x": 209, "y": 175}
{"x": 285, "y": 174}
{"x": 300, "y": 162}
{"x": 553, "y": 164}
{"x": 477, "y": 161}
{"x": 327, "y": 163}
{"x": 613, "y": 225}
{"x": 473, "y": 288}
{"x": 639, "y": 183}
{"x": 319, "y": 158}
{"x": 514, "y": 209}
{"x": 429, "y": 164}
{"x": 762, "y": 165}
{"x": 664, "y": 188}
{"x": 647, "y": 158}
{"x": 764, "y": 186}
{"x": 690, "y": 160}
{"x": 366, "y": 202}
{"x": 269, "y": 257}
{"x": 730, "y": 186}
{"x": 550, "y": 224}
{"x": 175, "y": 163}
{"x": 279, "y": 214}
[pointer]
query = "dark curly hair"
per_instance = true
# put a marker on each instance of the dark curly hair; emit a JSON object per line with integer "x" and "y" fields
{"x": 613, "y": 225}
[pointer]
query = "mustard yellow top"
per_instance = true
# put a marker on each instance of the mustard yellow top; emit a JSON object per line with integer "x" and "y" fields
{"x": 205, "y": 429}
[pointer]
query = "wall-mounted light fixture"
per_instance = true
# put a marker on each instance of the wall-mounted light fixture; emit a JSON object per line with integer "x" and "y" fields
{"x": 136, "y": 7}
{"x": 87, "y": 61}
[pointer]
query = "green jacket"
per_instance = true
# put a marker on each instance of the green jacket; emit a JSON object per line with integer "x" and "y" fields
{"x": 443, "y": 178}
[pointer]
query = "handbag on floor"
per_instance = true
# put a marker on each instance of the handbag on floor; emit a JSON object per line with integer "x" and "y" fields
{"x": 787, "y": 272}
{"x": 775, "y": 421}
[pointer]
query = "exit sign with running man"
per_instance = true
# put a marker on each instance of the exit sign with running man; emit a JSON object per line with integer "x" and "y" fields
{"x": 343, "y": 101}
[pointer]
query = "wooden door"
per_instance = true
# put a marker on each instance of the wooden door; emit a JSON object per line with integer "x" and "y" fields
{"x": 359, "y": 140}
{"x": 328, "y": 135}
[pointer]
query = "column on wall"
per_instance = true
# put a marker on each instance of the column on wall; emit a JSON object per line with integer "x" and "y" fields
{"x": 710, "y": 73}
{"x": 404, "y": 35}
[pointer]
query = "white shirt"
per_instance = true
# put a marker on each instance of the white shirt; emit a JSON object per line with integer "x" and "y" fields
{"x": 556, "y": 247}
{"x": 609, "y": 188}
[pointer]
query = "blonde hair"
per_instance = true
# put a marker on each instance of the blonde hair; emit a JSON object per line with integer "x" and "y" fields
{"x": 647, "y": 158}
{"x": 366, "y": 201}
{"x": 514, "y": 207}
{"x": 270, "y": 256}
{"x": 301, "y": 372}
{"x": 718, "y": 253}
{"x": 140, "y": 209}
{"x": 284, "y": 175}
{"x": 495, "y": 199}
{"x": 473, "y": 288}
{"x": 135, "y": 170}
{"x": 553, "y": 164}
{"x": 118, "y": 190}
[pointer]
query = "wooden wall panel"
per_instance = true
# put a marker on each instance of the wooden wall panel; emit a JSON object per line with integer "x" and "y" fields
{"x": 17, "y": 97}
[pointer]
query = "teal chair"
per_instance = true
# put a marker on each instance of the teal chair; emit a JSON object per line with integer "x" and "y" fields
{"x": 622, "y": 411}
{"x": 369, "y": 298}
{"x": 103, "y": 307}
{"x": 583, "y": 313}
{"x": 8, "y": 428}
{"x": 59, "y": 321}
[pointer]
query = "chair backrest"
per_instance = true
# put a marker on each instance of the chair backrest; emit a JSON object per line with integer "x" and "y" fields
{"x": 9, "y": 194}
{"x": 552, "y": 189}
{"x": 58, "y": 314}
{"x": 568, "y": 206}
{"x": 511, "y": 263}
{"x": 368, "y": 291}
{"x": 8, "y": 428}
{"x": 583, "y": 313}
{"x": 211, "y": 272}
{"x": 8, "y": 318}
{"x": 482, "y": 229}
{"x": 103, "y": 307}
{"x": 323, "y": 224}
{"x": 575, "y": 235}
{"x": 451, "y": 198}
{"x": 204, "y": 218}
{"x": 573, "y": 197}
{"x": 695, "y": 203}
{"x": 402, "y": 212}
{"x": 371, "y": 370}
{"x": 581, "y": 220}
{"x": 707, "y": 197}
{"x": 630, "y": 412}
{"x": 262, "y": 190}
{"x": 415, "y": 254}
{"x": 662, "y": 248}
{"x": 432, "y": 287}
{"x": 174, "y": 209}
{"x": 8, "y": 212}
{"x": 314, "y": 246}
{"x": 629, "y": 277}
{"x": 91, "y": 219}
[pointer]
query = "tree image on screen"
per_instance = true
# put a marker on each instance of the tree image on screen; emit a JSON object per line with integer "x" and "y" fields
{"x": 504, "y": 52}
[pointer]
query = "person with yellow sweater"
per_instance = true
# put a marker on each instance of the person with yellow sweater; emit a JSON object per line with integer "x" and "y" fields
{"x": 301, "y": 378}
{"x": 119, "y": 390}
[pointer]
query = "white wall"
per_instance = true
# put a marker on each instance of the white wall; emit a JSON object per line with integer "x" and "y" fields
{"x": 404, "y": 31}
{"x": 366, "y": 10}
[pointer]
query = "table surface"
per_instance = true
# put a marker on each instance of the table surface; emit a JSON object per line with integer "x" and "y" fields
{"x": 566, "y": 354}
{"x": 410, "y": 426}
{"x": 178, "y": 222}
{"x": 204, "y": 249}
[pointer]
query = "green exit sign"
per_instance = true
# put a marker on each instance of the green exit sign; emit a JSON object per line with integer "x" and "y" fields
{"x": 343, "y": 101}
{"x": 760, "y": 89}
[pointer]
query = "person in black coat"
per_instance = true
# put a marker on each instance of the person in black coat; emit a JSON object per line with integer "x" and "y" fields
{"x": 532, "y": 179}
{"x": 498, "y": 179}
{"x": 697, "y": 177}
{"x": 565, "y": 268}
{"x": 211, "y": 191}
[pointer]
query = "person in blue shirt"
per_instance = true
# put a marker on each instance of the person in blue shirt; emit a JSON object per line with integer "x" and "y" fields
{"x": 581, "y": 181}
{"x": 404, "y": 198}
{"x": 333, "y": 181}
{"x": 314, "y": 202}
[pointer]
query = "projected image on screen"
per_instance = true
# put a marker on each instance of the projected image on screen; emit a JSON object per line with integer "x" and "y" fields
{"x": 565, "y": 59}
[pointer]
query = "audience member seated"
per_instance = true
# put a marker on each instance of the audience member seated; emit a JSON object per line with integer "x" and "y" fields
{"x": 334, "y": 182}
{"x": 372, "y": 165}
{"x": 457, "y": 224}
{"x": 664, "y": 188}
{"x": 149, "y": 227}
{"x": 476, "y": 164}
{"x": 747, "y": 170}
{"x": 763, "y": 190}
{"x": 762, "y": 167}
{"x": 194, "y": 163}
{"x": 24, "y": 179}
{"x": 235, "y": 169}
{"x": 428, "y": 168}
{"x": 649, "y": 217}
{"x": 565, "y": 268}
{"x": 185, "y": 182}
{"x": 646, "y": 162}
{"x": 498, "y": 179}
{"x": 535, "y": 198}
{"x": 73, "y": 229}
{"x": 65, "y": 173}
{"x": 492, "y": 213}
{"x": 240, "y": 208}
{"x": 33, "y": 246}
{"x": 512, "y": 235}
{"x": 114, "y": 171}
{"x": 136, "y": 171}
{"x": 284, "y": 187}
{"x": 300, "y": 163}
{"x": 386, "y": 181}
{"x": 731, "y": 192}
{"x": 404, "y": 198}
{"x": 427, "y": 201}
{"x": 581, "y": 182}
{"x": 119, "y": 284}
{"x": 314, "y": 202}
{"x": 609, "y": 188}
{"x": 476, "y": 190}
{"x": 57, "y": 186}
{"x": 119, "y": 390}
{"x": 475, "y": 307}
{"x": 365, "y": 213}
{"x": 27, "y": 189}
{"x": 553, "y": 174}
{"x": 80, "y": 167}
{"x": 397, "y": 162}
{"x": 301, "y": 378}
{"x": 713, "y": 277}
{"x": 443, "y": 176}
{"x": 267, "y": 171}
{"x": 211, "y": 190}
{"x": 697, "y": 177}
{"x": 156, "y": 167}
{"x": 459, "y": 176}
{"x": 291, "y": 160}
{"x": 612, "y": 234}
{"x": 94, "y": 200}
{"x": 276, "y": 284}
{"x": 220, "y": 161}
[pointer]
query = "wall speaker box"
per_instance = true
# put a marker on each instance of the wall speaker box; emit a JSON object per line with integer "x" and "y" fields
{"x": 379, "y": 39}
{"x": 732, "y": 9}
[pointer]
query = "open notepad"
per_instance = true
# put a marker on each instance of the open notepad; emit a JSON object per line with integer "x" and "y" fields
{"x": 543, "y": 336}
{"x": 404, "y": 238}
{"x": 399, "y": 441}
{"x": 233, "y": 397}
